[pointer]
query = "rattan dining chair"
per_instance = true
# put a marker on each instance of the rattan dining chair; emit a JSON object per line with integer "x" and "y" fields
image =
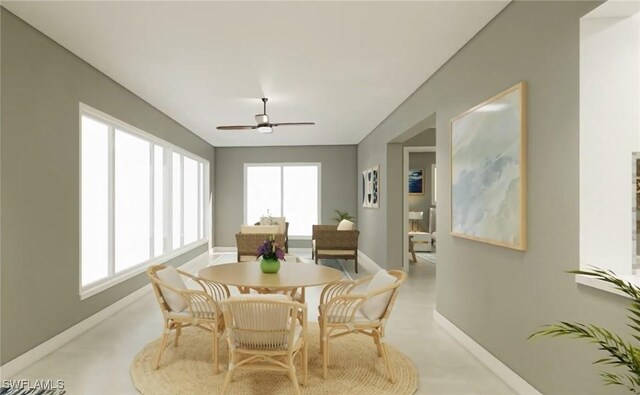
{"x": 362, "y": 306}
{"x": 183, "y": 307}
{"x": 264, "y": 332}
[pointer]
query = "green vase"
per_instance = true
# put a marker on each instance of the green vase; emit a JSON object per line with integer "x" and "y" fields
{"x": 270, "y": 265}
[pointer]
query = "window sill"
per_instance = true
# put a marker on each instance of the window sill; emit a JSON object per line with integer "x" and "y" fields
{"x": 603, "y": 286}
{"x": 93, "y": 289}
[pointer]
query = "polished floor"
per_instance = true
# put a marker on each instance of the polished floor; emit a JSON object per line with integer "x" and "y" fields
{"x": 97, "y": 362}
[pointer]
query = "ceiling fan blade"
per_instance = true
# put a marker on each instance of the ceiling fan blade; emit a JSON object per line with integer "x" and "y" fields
{"x": 293, "y": 123}
{"x": 237, "y": 127}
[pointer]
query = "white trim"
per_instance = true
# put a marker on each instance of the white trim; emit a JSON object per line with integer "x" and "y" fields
{"x": 109, "y": 282}
{"x": 405, "y": 199}
{"x": 32, "y": 356}
{"x": 501, "y": 370}
{"x": 604, "y": 286}
{"x": 367, "y": 263}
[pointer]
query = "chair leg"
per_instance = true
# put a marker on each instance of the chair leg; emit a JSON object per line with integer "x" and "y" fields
{"x": 227, "y": 380}
{"x": 356, "y": 261}
{"x": 178, "y": 333}
{"x": 316, "y": 258}
{"x": 376, "y": 339}
{"x": 292, "y": 375}
{"x": 325, "y": 356}
{"x": 385, "y": 355}
{"x": 216, "y": 368}
{"x": 305, "y": 364}
{"x": 163, "y": 344}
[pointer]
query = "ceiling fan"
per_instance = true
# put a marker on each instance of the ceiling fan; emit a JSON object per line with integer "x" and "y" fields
{"x": 263, "y": 124}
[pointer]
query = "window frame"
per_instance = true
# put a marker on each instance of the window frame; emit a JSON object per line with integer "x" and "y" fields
{"x": 113, "y": 278}
{"x": 282, "y": 165}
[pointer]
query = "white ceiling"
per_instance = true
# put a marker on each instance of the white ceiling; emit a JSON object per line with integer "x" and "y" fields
{"x": 344, "y": 65}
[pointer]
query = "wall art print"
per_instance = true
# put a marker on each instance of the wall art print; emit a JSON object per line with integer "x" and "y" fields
{"x": 416, "y": 181}
{"x": 371, "y": 187}
{"x": 488, "y": 171}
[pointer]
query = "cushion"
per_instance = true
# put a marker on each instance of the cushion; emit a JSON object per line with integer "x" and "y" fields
{"x": 171, "y": 276}
{"x": 280, "y": 221}
{"x": 260, "y": 229}
{"x": 345, "y": 224}
{"x": 375, "y": 307}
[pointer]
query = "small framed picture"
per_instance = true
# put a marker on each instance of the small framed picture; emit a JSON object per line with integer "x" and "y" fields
{"x": 416, "y": 181}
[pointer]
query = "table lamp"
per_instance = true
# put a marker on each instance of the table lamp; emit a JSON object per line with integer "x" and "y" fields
{"x": 415, "y": 216}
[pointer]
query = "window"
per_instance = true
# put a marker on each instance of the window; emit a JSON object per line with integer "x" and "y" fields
{"x": 284, "y": 190}
{"x": 142, "y": 199}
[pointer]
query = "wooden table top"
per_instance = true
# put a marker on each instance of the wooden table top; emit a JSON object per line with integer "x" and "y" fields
{"x": 291, "y": 275}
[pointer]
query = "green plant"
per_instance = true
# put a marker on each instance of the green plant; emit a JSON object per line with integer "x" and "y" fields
{"x": 622, "y": 354}
{"x": 340, "y": 215}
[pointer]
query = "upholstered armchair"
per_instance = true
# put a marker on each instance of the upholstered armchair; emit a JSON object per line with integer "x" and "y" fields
{"x": 361, "y": 307}
{"x": 282, "y": 223}
{"x": 182, "y": 307}
{"x": 250, "y": 237}
{"x": 328, "y": 242}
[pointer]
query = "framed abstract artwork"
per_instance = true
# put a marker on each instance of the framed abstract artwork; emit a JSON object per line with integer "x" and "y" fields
{"x": 371, "y": 187}
{"x": 488, "y": 170}
{"x": 416, "y": 181}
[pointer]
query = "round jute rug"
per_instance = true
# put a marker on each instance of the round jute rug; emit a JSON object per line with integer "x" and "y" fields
{"x": 354, "y": 368}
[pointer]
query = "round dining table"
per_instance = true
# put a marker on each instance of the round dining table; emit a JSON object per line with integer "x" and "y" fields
{"x": 292, "y": 276}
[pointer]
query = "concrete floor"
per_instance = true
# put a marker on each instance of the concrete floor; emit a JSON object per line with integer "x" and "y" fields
{"x": 97, "y": 362}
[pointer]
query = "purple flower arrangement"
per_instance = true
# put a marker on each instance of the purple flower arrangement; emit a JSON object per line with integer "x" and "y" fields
{"x": 269, "y": 249}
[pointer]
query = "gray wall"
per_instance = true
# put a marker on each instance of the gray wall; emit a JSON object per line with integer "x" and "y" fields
{"x": 499, "y": 296}
{"x": 422, "y": 202}
{"x": 42, "y": 84}
{"x": 338, "y": 184}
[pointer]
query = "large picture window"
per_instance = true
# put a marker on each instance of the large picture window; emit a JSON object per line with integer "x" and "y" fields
{"x": 142, "y": 200}
{"x": 289, "y": 190}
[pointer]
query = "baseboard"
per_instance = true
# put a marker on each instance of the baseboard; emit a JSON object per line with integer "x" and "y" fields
{"x": 367, "y": 263}
{"x": 225, "y": 249}
{"x": 501, "y": 370}
{"x": 30, "y": 357}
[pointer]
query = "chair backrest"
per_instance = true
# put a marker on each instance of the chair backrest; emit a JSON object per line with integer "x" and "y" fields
{"x": 248, "y": 243}
{"x": 327, "y": 237}
{"x": 261, "y": 322}
{"x": 155, "y": 285}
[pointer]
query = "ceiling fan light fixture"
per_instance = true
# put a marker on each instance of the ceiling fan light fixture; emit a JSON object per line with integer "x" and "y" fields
{"x": 261, "y": 118}
{"x": 265, "y": 129}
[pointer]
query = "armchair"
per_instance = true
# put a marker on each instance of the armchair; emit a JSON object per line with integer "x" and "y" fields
{"x": 361, "y": 306}
{"x": 330, "y": 243}
{"x": 250, "y": 237}
{"x": 282, "y": 223}
{"x": 264, "y": 333}
{"x": 182, "y": 307}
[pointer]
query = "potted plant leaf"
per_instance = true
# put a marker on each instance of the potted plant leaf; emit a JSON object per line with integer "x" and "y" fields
{"x": 622, "y": 354}
{"x": 340, "y": 215}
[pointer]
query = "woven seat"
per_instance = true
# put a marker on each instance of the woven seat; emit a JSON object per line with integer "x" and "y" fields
{"x": 198, "y": 308}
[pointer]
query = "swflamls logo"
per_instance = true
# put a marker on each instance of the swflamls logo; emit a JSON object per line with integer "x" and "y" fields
{"x": 26, "y": 384}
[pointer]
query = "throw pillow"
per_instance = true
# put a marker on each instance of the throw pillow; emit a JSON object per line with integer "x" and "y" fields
{"x": 345, "y": 224}
{"x": 375, "y": 307}
{"x": 171, "y": 276}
